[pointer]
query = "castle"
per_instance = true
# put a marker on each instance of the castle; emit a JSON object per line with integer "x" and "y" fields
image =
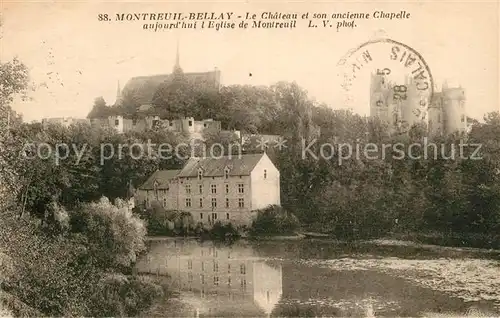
{"x": 443, "y": 115}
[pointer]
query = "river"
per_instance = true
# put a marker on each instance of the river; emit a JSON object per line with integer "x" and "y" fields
{"x": 311, "y": 278}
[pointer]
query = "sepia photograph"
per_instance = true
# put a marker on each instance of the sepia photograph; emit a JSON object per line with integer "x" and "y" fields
{"x": 249, "y": 158}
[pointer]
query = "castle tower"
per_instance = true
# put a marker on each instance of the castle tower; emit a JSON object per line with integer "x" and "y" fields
{"x": 411, "y": 111}
{"x": 454, "y": 119}
{"x": 436, "y": 126}
{"x": 379, "y": 98}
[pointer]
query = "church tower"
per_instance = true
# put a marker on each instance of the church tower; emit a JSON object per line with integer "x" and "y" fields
{"x": 118, "y": 94}
{"x": 177, "y": 66}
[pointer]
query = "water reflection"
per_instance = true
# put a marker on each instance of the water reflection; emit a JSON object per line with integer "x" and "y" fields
{"x": 297, "y": 279}
{"x": 217, "y": 280}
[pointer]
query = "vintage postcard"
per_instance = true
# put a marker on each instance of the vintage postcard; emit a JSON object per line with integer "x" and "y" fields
{"x": 249, "y": 159}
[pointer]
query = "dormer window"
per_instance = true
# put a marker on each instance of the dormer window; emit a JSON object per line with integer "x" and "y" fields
{"x": 200, "y": 174}
{"x": 226, "y": 173}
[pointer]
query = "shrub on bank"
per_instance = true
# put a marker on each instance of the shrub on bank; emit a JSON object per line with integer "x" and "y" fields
{"x": 78, "y": 270}
{"x": 223, "y": 232}
{"x": 274, "y": 220}
{"x": 162, "y": 222}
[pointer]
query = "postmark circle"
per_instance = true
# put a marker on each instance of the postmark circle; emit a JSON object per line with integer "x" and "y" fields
{"x": 389, "y": 76}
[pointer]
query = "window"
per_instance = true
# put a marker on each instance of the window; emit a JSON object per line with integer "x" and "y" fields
{"x": 265, "y": 174}
{"x": 241, "y": 188}
{"x": 188, "y": 202}
{"x": 243, "y": 269}
{"x": 241, "y": 203}
{"x": 214, "y": 188}
{"x": 201, "y": 204}
{"x": 200, "y": 174}
{"x": 190, "y": 123}
{"x": 201, "y": 218}
{"x": 226, "y": 173}
{"x": 200, "y": 188}
{"x": 227, "y": 188}
{"x": 229, "y": 268}
{"x": 190, "y": 277}
{"x": 227, "y": 216}
{"x": 164, "y": 202}
{"x": 244, "y": 283}
{"x": 463, "y": 118}
{"x": 216, "y": 267}
{"x": 188, "y": 188}
{"x": 203, "y": 266}
{"x": 190, "y": 264}
{"x": 147, "y": 201}
{"x": 134, "y": 121}
{"x": 227, "y": 203}
{"x": 205, "y": 125}
{"x": 202, "y": 279}
{"x": 117, "y": 122}
{"x": 214, "y": 203}
{"x": 216, "y": 280}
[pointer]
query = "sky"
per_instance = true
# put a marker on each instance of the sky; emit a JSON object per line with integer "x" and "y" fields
{"x": 74, "y": 58}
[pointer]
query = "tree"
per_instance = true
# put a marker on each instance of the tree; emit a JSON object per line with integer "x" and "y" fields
{"x": 176, "y": 97}
{"x": 100, "y": 109}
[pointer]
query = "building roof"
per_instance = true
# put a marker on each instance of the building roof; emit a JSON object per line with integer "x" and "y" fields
{"x": 239, "y": 165}
{"x": 163, "y": 178}
{"x": 144, "y": 87}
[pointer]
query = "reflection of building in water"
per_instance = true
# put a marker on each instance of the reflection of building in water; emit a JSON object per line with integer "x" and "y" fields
{"x": 218, "y": 281}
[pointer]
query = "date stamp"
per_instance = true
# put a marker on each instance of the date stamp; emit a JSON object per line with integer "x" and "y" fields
{"x": 392, "y": 78}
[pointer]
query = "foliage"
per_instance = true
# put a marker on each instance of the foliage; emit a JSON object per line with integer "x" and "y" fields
{"x": 274, "y": 220}
{"x": 114, "y": 236}
{"x": 223, "y": 232}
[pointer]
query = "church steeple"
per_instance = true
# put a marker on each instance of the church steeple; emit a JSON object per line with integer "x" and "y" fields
{"x": 177, "y": 66}
{"x": 177, "y": 63}
{"x": 118, "y": 93}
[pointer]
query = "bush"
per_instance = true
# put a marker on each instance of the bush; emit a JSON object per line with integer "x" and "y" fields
{"x": 78, "y": 272}
{"x": 114, "y": 236}
{"x": 274, "y": 220}
{"x": 223, "y": 232}
{"x": 123, "y": 296}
